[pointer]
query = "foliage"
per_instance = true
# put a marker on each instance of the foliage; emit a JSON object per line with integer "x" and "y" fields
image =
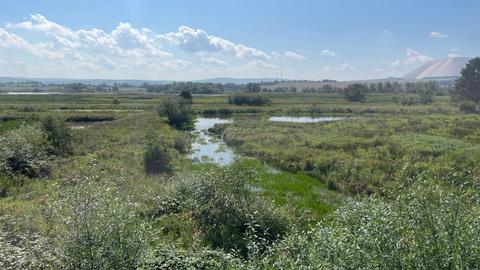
{"x": 182, "y": 144}
{"x": 422, "y": 225}
{"x": 248, "y": 100}
{"x": 223, "y": 207}
{"x": 186, "y": 95}
{"x": 24, "y": 151}
{"x": 468, "y": 85}
{"x": 157, "y": 157}
{"x": 355, "y": 92}
{"x": 468, "y": 106}
{"x": 253, "y": 87}
{"x": 59, "y": 136}
{"x": 178, "y": 112}
{"x": 101, "y": 228}
{"x": 168, "y": 257}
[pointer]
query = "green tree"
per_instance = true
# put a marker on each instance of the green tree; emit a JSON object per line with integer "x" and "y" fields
{"x": 253, "y": 87}
{"x": 355, "y": 92}
{"x": 186, "y": 95}
{"x": 468, "y": 85}
{"x": 178, "y": 112}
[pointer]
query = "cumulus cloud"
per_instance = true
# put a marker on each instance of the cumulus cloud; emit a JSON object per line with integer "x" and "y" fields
{"x": 197, "y": 40}
{"x": 215, "y": 61}
{"x": 435, "y": 34}
{"x": 328, "y": 53}
{"x": 42, "y": 47}
{"x": 393, "y": 63}
{"x": 294, "y": 55}
{"x": 414, "y": 57}
{"x": 346, "y": 67}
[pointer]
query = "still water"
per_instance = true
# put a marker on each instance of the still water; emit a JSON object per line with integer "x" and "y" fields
{"x": 207, "y": 148}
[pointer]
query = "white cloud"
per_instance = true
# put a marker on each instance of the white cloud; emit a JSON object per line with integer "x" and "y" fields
{"x": 346, "y": 67}
{"x": 435, "y": 34}
{"x": 294, "y": 55}
{"x": 414, "y": 57}
{"x": 328, "y": 53}
{"x": 453, "y": 55}
{"x": 393, "y": 63}
{"x": 215, "y": 61}
{"x": 197, "y": 40}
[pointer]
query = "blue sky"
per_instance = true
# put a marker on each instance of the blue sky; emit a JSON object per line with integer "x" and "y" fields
{"x": 189, "y": 40}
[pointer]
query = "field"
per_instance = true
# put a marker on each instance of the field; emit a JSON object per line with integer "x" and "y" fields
{"x": 293, "y": 182}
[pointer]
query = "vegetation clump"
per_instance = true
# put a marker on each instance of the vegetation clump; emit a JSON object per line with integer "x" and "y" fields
{"x": 25, "y": 151}
{"x": 355, "y": 92}
{"x": 157, "y": 158}
{"x": 59, "y": 136}
{"x": 178, "y": 112}
{"x": 248, "y": 100}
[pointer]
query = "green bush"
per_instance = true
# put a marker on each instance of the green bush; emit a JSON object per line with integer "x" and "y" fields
{"x": 24, "y": 151}
{"x": 178, "y": 112}
{"x": 421, "y": 225}
{"x": 181, "y": 144}
{"x": 59, "y": 135}
{"x": 468, "y": 107}
{"x": 248, "y": 100}
{"x": 157, "y": 157}
{"x": 226, "y": 211}
{"x": 101, "y": 231}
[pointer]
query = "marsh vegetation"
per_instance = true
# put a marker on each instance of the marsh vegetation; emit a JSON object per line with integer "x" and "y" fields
{"x": 307, "y": 181}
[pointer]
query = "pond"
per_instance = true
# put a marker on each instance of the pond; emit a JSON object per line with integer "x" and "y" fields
{"x": 207, "y": 148}
{"x": 303, "y": 119}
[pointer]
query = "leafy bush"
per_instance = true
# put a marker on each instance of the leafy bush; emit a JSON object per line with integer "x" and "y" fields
{"x": 181, "y": 144}
{"x": 178, "y": 112}
{"x": 355, "y": 92}
{"x": 424, "y": 226}
{"x": 157, "y": 157}
{"x": 59, "y": 136}
{"x": 168, "y": 257}
{"x": 248, "y": 100}
{"x": 468, "y": 107}
{"x": 101, "y": 228}
{"x": 226, "y": 211}
{"x": 24, "y": 151}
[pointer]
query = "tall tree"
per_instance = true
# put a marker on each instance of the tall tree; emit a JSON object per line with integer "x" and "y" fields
{"x": 468, "y": 85}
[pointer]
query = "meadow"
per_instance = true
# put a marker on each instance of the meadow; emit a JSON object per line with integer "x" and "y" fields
{"x": 345, "y": 194}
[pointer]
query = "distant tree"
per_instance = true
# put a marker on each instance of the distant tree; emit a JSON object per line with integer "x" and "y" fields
{"x": 426, "y": 96}
{"x": 468, "y": 85}
{"x": 186, "y": 95}
{"x": 380, "y": 88}
{"x": 355, "y": 92}
{"x": 178, "y": 112}
{"x": 253, "y": 87}
{"x": 373, "y": 88}
{"x": 116, "y": 101}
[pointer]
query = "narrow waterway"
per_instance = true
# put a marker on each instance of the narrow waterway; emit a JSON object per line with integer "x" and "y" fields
{"x": 207, "y": 148}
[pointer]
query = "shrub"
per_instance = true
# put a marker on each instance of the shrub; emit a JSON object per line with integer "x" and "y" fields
{"x": 248, "y": 100}
{"x": 468, "y": 107}
{"x": 178, "y": 112}
{"x": 186, "y": 95}
{"x": 181, "y": 144}
{"x": 101, "y": 228}
{"x": 59, "y": 135}
{"x": 223, "y": 207}
{"x": 24, "y": 151}
{"x": 157, "y": 157}
{"x": 423, "y": 225}
{"x": 355, "y": 92}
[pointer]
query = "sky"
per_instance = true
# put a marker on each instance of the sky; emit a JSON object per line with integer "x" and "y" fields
{"x": 200, "y": 39}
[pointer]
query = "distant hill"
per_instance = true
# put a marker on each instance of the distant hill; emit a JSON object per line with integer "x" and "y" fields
{"x": 439, "y": 69}
{"x": 84, "y": 81}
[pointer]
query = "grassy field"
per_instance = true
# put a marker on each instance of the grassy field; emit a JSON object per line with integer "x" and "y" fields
{"x": 291, "y": 176}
